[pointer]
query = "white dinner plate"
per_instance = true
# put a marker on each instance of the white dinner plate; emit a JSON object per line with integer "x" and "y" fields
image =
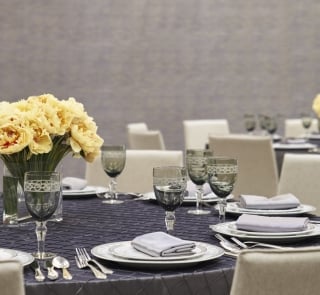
{"x": 233, "y": 228}
{"x": 234, "y": 208}
{"x": 126, "y": 251}
{"x": 292, "y": 146}
{"x": 104, "y": 252}
{"x": 224, "y": 228}
{"x": 10, "y": 254}
{"x": 88, "y": 190}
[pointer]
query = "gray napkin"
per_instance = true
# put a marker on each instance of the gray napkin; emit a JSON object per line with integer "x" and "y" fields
{"x": 258, "y": 223}
{"x": 73, "y": 183}
{"x": 162, "y": 244}
{"x": 285, "y": 201}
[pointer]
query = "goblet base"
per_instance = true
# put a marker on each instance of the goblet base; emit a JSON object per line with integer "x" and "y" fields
{"x": 112, "y": 202}
{"x": 43, "y": 256}
{"x": 199, "y": 212}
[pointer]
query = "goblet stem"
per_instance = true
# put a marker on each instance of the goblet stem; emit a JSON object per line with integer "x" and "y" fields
{"x": 170, "y": 219}
{"x": 222, "y": 210}
{"x": 112, "y": 193}
{"x": 41, "y": 232}
{"x": 199, "y": 196}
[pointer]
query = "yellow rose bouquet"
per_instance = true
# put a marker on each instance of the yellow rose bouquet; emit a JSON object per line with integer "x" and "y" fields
{"x": 38, "y": 132}
{"x": 316, "y": 105}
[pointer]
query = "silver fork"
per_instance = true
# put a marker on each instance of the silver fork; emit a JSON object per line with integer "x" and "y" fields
{"x": 85, "y": 255}
{"x": 82, "y": 263}
{"x": 253, "y": 244}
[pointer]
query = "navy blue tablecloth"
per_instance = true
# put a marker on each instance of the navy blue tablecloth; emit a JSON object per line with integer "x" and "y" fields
{"x": 87, "y": 223}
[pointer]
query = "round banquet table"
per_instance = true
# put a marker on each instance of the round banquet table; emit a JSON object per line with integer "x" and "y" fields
{"x": 88, "y": 223}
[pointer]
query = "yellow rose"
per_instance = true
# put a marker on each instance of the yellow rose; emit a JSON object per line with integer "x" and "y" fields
{"x": 316, "y": 105}
{"x": 13, "y": 138}
{"x": 41, "y": 142}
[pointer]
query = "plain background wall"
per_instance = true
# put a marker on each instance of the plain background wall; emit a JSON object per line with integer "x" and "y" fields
{"x": 162, "y": 61}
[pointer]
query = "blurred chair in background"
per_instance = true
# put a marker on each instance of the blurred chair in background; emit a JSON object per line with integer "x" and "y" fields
{"x": 137, "y": 173}
{"x": 11, "y": 278}
{"x": 300, "y": 175}
{"x": 294, "y": 127}
{"x": 196, "y": 132}
{"x": 139, "y": 126}
{"x": 146, "y": 140}
{"x": 257, "y": 169}
{"x": 266, "y": 272}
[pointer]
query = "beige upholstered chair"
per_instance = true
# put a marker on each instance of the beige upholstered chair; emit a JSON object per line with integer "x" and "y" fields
{"x": 300, "y": 175}
{"x": 196, "y": 132}
{"x": 281, "y": 272}
{"x": 294, "y": 128}
{"x": 257, "y": 170}
{"x": 139, "y": 126}
{"x": 11, "y": 278}
{"x": 146, "y": 140}
{"x": 137, "y": 174}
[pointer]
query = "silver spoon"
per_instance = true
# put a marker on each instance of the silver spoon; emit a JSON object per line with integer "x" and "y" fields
{"x": 63, "y": 263}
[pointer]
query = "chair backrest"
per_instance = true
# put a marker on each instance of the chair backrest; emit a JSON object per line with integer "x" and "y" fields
{"x": 11, "y": 278}
{"x": 137, "y": 174}
{"x": 294, "y": 128}
{"x": 285, "y": 272}
{"x": 146, "y": 140}
{"x": 257, "y": 169}
{"x": 139, "y": 126}
{"x": 300, "y": 175}
{"x": 196, "y": 132}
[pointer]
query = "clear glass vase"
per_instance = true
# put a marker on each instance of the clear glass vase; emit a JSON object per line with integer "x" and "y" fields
{"x": 14, "y": 208}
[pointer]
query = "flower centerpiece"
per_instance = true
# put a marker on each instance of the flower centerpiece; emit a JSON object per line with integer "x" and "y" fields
{"x": 316, "y": 108}
{"x": 36, "y": 133}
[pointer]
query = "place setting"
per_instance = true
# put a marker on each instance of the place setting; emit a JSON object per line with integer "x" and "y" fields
{"x": 284, "y": 204}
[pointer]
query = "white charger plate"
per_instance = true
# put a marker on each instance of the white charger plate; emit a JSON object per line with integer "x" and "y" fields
{"x": 292, "y": 146}
{"x": 233, "y": 227}
{"x": 104, "y": 252}
{"x": 224, "y": 228}
{"x": 9, "y": 254}
{"x": 126, "y": 251}
{"x": 88, "y": 190}
{"x": 234, "y": 208}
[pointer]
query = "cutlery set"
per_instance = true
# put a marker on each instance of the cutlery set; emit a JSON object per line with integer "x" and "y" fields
{"x": 83, "y": 260}
{"x": 235, "y": 246}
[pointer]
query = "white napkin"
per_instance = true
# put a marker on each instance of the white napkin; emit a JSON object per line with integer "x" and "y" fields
{"x": 271, "y": 224}
{"x": 162, "y": 244}
{"x": 191, "y": 189}
{"x": 73, "y": 183}
{"x": 285, "y": 201}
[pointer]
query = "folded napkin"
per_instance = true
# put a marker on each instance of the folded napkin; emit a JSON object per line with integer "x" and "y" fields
{"x": 162, "y": 244}
{"x": 191, "y": 189}
{"x": 73, "y": 183}
{"x": 285, "y": 201}
{"x": 258, "y": 223}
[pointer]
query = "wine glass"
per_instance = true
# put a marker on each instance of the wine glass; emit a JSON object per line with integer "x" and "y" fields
{"x": 169, "y": 185}
{"x": 113, "y": 160}
{"x": 306, "y": 121}
{"x": 42, "y": 191}
{"x": 262, "y": 123}
{"x": 250, "y": 123}
{"x": 222, "y": 175}
{"x": 196, "y": 161}
{"x": 271, "y": 125}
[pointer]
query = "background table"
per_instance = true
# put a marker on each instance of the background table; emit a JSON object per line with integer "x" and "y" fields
{"x": 87, "y": 223}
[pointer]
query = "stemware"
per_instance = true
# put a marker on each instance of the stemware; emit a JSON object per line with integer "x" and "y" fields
{"x": 196, "y": 161}
{"x": 222, "y": 175}
{"x": 249, "y": 123}
{"x": 271, "y": 125}
{"x": 169, "y": 185}
{"x": 42, "y": 191}
{"x": 113, "y": 160}
{"x": 306, "y": 120}
{"x": 262, "y": 123}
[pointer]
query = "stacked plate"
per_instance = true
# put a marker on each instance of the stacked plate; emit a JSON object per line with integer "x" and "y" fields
{"x": 293, "y": 146}
{"x": 234, "y": 208}
{"x": 123, "y": 253}
{"x": 9, "y": 254}
{"x": 230, "y": 229}
{"x": 87, "y": 191}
